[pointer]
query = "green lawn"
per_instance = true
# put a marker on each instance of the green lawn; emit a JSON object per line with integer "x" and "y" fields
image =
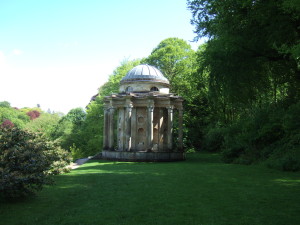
{"x": 201, "y": 190}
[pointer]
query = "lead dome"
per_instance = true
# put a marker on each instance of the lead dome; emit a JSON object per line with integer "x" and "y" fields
{"x": 144, "y": 78}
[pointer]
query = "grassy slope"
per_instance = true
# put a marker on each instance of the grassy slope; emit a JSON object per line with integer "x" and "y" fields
{"x": 201, "y": 190}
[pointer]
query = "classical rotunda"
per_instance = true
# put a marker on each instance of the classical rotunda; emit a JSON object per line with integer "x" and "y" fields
{"x": 138, "y": 122}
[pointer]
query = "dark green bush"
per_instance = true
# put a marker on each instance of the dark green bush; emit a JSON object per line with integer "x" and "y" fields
{"x": 234, "y": 144}
{"x": 26, "y": 162}
{"x": 271, "y": 135}
{"x": 232, "y": 153}
{"x": 213, "y": 140}
{"x": 286, "y": 156}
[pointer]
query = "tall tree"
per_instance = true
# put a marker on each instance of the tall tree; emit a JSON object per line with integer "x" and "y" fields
{"x": 5, "y": 104}
{"x": 252, "y": 59}
{"x": 253, "y": 51}
{"x": 176, "y": 59}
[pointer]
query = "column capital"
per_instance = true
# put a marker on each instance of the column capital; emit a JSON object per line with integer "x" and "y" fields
{"x": 129, "y": 107}
{"x": 150, "y": 103}
{"x": 106, "y": 109}
{"x": 150, "y": 108}
{"x": 170, "y": 108}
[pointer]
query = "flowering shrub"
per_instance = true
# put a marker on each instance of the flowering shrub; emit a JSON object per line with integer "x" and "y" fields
{"x": 33, "y": 114}
{"x": 26, "y": 162}
{"x": 7, "y": 124}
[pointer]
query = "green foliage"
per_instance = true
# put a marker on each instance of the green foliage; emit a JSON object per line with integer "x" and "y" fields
{"x": 269, "y": 135}
{"x": 75, "y": 116}
{"x": 176, "y": 60}
{"x": 62, "y": 129}
{"x": 26, "y": 160}
{"x": 60, "y": 158}
{"x": 250, "y": 71}
{"x": 5, "y": 104}
{"x": 17, "y": 117}
{"x": 286, "y": 155}
{"x": 213, "y": 139}
{"x": 76, "y": 152}
{"x": 112, "y": 86}
{"x": 45, "y": 124}
{"x": 67, "y": 131}
{"x": 249, "y": 54}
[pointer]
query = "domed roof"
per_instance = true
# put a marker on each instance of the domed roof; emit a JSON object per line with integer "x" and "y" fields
{"x": 144, "y": 72}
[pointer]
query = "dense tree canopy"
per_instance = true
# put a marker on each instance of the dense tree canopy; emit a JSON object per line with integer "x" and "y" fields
{"x": 5, "y": 104}
{"x": 251, "y": 66}
{"x": 253, "y": 50}
{"x": 176, "y": 59}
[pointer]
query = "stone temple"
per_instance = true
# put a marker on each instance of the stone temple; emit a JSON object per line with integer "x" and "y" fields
{"x": 139, "y": 121}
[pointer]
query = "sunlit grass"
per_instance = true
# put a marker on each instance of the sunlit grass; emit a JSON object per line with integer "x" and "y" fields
{"x": 201, "y": 190}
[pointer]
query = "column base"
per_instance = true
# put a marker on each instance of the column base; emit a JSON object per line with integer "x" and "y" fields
{"x": 143, "y": 156}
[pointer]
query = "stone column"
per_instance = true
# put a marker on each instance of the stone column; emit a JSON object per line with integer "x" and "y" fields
{"x": 105, "y": 128}
{"x": 111, "y": 128}
{"x": 121, "y": 129}
{"x": 170, "y": 128}
{"x": 128, "y": 127}
{"x": 133, "y": 130}
{"x": 180, "y": 129}
{"x": 161, "y": 130}
{"x": 150, "y": 127}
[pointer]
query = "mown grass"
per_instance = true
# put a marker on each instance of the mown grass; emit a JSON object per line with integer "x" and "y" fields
{"x": 201, "y": 190}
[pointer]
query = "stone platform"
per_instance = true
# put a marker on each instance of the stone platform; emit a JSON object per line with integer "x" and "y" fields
{"x": 143, "y": 156}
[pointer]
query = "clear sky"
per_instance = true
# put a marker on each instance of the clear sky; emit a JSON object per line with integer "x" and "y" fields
{"x": 57, "y": 53}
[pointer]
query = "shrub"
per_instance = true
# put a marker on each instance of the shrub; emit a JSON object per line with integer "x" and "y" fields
{"x": 60, "y": 159}
{"x": 18, "y": 118}
{"x": 270, "y": 135}
{"x": 7, "y": 124}
{"x": 26, "y": 161}
{"x": 33, "y": 114}
{"x": 214, "y": 139}
{"x": 5, "y": 104}
{"x": 76, "y": 152}
{"x": 286, "y": 155}
{"x": 46, "y": 124}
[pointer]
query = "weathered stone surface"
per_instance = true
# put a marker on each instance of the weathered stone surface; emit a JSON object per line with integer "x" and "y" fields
{"x": 143, "y": 156}
{"x": 144, "y": 125}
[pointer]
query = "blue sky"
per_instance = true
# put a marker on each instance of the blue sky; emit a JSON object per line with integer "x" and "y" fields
{"x": 57, "y": 53}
